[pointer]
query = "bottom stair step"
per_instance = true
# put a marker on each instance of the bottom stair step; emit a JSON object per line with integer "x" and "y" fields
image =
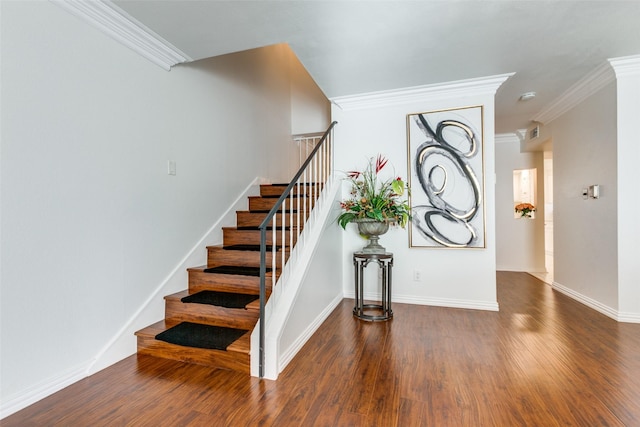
{"x": 197, "y": 335}
{"x": 235, "y": 357}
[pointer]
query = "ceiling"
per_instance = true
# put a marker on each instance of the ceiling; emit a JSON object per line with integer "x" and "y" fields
{"x": 354, "y": 47}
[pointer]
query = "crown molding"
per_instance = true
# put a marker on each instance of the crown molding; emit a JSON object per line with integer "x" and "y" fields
{"x": 459, "y": 88}
{"x": 119, "y": 25}
{"x": 507, "y": 138}
{"x": 626, "y": 66}
{"x": 581, "y": 90}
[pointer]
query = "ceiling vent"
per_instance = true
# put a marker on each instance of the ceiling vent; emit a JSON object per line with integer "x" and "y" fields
{"x": 534, "y": 132}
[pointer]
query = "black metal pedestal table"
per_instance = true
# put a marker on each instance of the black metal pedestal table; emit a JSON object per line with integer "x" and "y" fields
{"x": 385, "y": 262}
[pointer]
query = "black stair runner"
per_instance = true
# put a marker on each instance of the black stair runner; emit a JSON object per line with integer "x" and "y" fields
{"x": 200, "y": 336}
{"x": 247, "y": 247}
{"x": 233, "y": 269}
{"x": 220, "y": 299}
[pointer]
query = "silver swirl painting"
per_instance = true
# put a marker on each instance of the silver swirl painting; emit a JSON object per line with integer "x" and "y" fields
{"x": 446, "y": 178}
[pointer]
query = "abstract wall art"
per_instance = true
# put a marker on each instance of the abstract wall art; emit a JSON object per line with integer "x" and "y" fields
{"x": 446, "y": 164}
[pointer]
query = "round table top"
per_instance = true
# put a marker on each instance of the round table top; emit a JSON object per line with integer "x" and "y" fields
{"x": 372, "y": 255}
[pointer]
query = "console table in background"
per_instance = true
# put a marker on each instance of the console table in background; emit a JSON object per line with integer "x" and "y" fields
{"x": 385, "y": 262}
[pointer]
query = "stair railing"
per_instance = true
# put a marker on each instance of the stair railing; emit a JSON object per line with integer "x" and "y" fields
{"x": 287, "y": 217}
{"x": 306, "y": 142}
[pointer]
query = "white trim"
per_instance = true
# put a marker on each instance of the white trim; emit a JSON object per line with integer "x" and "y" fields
{"x": 596, "y": 305}
{"x": 628, "y": 317}
{"x": 449, "y": 303}
{"x": 431, "y": 301}
{"x": 521, "y": 134}
{"x": 39, "y": 391}
{"x": 581, "y": 90}
{"x": 626, "y": 66}
{"x": 460, "y": 88}
{"x": 506, "y": 138}
{"x": 119, "y": 25}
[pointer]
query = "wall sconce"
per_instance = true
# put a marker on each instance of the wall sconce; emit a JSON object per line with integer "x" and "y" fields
{"x": 591, "y": 192}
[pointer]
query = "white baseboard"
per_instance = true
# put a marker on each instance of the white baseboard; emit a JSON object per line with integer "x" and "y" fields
{"x": 436, "y": 302}
{"x": 596, "y": 305}
{"x": 41, "y": 390}
{"x": 628, "y": 317}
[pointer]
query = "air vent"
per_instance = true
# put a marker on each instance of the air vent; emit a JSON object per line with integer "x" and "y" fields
{"x": 534, "y": 133}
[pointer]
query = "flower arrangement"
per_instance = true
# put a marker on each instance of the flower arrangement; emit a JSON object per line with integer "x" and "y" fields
{"x": 525, "y": 209}
{"x": 373, "y": 199}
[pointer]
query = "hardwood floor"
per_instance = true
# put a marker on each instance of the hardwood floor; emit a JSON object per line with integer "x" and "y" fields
{"x": 543, "y": 360}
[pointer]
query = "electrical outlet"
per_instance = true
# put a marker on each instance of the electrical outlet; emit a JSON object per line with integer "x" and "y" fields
{"x": 416, "y": 275}
{"x": 171, "y": 167}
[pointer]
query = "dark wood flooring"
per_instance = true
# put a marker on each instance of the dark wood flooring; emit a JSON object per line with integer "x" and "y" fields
{"x": 543, "y": 360}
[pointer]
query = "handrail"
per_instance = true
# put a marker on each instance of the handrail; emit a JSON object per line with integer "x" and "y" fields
{"x": 311, "y": 167}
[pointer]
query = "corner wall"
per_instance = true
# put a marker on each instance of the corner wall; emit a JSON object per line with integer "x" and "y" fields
{"x": 585, "y": 231}
{"x": 628, "y": 157}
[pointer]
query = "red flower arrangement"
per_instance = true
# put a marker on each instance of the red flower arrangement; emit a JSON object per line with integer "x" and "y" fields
{"x": 380, "y": 201}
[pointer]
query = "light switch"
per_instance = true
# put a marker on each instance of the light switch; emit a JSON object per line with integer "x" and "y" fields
{"x": 171, "y": 167}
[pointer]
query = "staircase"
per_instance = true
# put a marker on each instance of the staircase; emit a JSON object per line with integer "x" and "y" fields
{"x": 211, "y": 322}
{"x": 225, "y": 284}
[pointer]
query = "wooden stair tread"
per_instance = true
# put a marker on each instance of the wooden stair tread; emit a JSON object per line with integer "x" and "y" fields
{"x": 255, "y": 219}
{"x": 244, "y": 255}
{"x": 241, "y": 345}
{"x": 276, "y": 196}
{"x": 235, "y": 357}
{"x": 267, "y": 190}
{"x": 178, "y": 295}
{"x": 233, "y": 236}
{"x": 247, "y": 248}
{"x": 256, "y": 228}
{"x": 185, "y": 293}
{"x": 259, "y": 203}
{"x": 200, "y": 281}
{"x": 208, "y": 314}
{"x": 202, "y": 268}
{"x": 155, "y": 328}
{"x": 238, "y": 270}
{"x": 255, "y": 305}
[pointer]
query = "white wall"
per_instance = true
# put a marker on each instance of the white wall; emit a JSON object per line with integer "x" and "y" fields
{"x": 519, "y": 242}
{"x": 310, "y": 110}
{"x": 321, "y": 287}
{"x": 585, "y": 231}
{"x": 91, "y": 223}
{"x": 628, "y": 158}
{"x": 449, "y": 277}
